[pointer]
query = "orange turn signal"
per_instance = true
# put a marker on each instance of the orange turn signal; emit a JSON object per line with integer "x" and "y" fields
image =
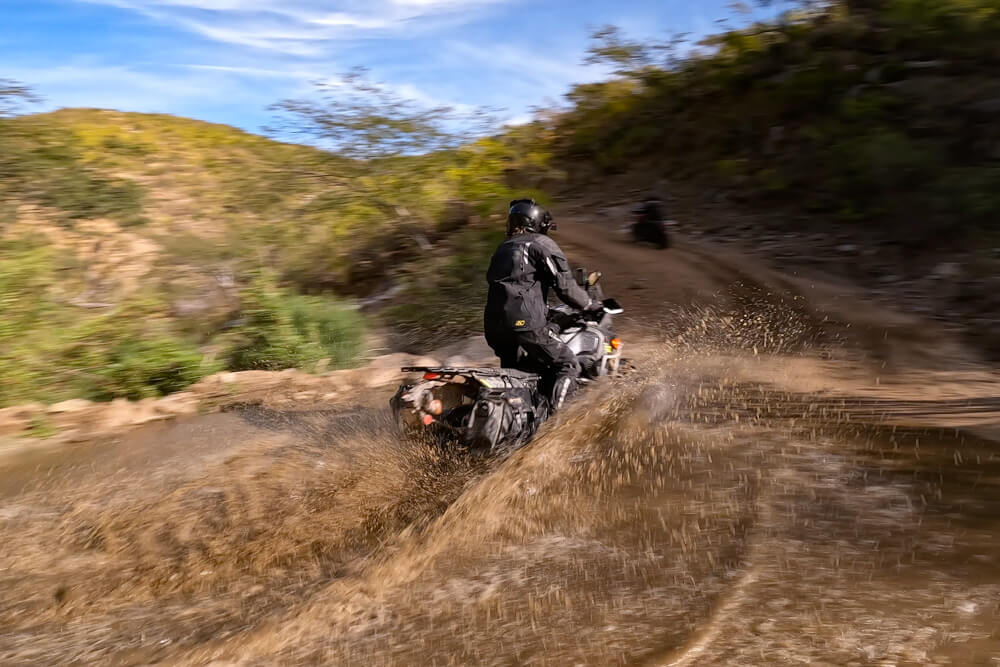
{"x": 616, "y": 343}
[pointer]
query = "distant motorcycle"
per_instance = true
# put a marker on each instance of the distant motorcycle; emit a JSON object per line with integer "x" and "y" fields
{"x": 648, "y": 225}
{"x": 651, "y": 232}
{"x": 497, "y": 410}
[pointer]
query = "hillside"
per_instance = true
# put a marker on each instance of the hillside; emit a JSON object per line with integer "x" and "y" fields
{"x": 141, "y": 252}
{"x": 859, "y": 135}
{"x": 863, "y": 111}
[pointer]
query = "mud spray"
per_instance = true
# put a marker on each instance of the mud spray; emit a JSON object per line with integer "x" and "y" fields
{"x": 748, "y": 496}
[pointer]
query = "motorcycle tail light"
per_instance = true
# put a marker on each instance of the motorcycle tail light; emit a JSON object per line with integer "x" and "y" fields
{"x": 431, "y": 376}
{"x": 428, "y": 420}
{"x": 616, "y": 343}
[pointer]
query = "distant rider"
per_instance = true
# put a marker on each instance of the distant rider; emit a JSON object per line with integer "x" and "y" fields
{"x": 648, "y": 222}
{"x": 523, "y": 270}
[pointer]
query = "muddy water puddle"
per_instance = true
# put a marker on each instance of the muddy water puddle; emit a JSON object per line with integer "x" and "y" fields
{"x": 677, "y": 521}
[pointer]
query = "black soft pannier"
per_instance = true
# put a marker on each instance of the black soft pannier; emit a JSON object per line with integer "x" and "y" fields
{"x": 502, "y": 419}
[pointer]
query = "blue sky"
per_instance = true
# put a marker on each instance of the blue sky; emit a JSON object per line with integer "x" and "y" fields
{"x": 227, "y": 60}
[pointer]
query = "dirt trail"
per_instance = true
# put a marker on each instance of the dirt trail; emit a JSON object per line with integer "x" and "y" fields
{"x": 792, "y": 477}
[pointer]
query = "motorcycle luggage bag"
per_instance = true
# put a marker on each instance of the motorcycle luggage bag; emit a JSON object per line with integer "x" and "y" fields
{"x": 501, "y": 418}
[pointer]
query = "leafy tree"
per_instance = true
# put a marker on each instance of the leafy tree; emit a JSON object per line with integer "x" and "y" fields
{"x": 14, "y": 96}
{"x": 609, "y": 46}
{"x": 364, "y": 119}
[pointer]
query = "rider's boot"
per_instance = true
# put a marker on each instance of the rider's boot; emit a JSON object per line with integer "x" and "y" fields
{"x": 561, "y": 391}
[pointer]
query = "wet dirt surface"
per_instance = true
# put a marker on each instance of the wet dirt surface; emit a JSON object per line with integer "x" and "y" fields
{"x": 805, "y": 481}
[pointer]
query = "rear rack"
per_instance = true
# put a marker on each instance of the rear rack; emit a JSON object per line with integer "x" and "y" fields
{"x": 485, "y": 372}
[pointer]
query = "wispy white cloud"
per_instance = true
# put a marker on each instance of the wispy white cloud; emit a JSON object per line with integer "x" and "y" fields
{"x": 299, "y": 27}
{"x": 303, "y": 81}
{"x": 86, "y": 84}
{"x": 551, "y": 72}
{"x": 258, "y": 72}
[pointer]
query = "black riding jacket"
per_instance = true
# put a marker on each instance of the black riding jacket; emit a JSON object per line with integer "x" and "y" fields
{"x": 523, "y": 270}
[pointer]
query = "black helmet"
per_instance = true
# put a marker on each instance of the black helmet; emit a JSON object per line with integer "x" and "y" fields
{"x": 650, "y": 202}
{"x": 651, "y": 208}
{"x": 527, "y": 215}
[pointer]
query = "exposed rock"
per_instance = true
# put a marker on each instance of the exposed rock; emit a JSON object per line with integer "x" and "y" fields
{"x": 386, "y": 370}
{"x": 117, "y": 414}
{"x": 184, "y": 403}
{"x": 925, "y": 64}
{"x": 470, "y": 349}
{"x": 986, "y": 106}
{"x": 422, "y": 242}
{"x": 245, "y": 379}
{"x": 398, "y": 360}
{"x": 379, "y": 377}
{"x": 386, "y": 295}
{"x": 145, "y": 412}
{"x": 947, "y": 270}
{"x": 71, "y": 406}
{"x": 775, "y": 137}
{"x": 18, "y": 417}
{"x": 395, "y": 360}
{"x": 927, "y": 88}
{"x": 74, "y": 435}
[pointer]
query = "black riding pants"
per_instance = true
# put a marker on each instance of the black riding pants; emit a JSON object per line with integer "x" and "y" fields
{"x": 545, "y": 355}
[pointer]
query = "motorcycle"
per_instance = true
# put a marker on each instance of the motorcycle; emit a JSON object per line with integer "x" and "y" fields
{"x": 649, "y": 231}
{"x": 495, "y": 411}
{"x": 648, "y": 225}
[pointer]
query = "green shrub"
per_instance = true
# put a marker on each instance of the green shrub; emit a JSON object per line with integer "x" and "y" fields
{"x": 142, "y": 368}
{"x": 279, "y": 329}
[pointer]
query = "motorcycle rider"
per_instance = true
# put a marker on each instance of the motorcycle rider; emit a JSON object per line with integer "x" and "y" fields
{"x": 522, "y": 271}
{"x": 648, "y": 221}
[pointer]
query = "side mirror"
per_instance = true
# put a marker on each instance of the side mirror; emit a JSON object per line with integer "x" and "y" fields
{"x": 581, "y": 277}
{"x": 594, "y": 278}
